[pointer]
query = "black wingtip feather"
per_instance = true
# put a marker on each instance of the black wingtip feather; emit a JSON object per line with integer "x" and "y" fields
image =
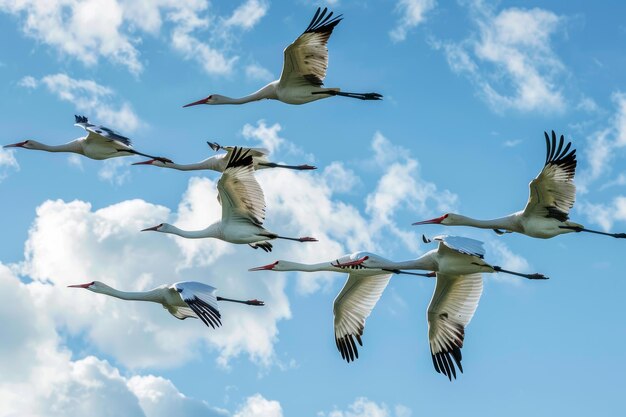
{"x": 561, "y": 156}
{"x": 444, "y": 364}
{"x": 323, "y": 23}
{"x": 239, "y": 158}
{"x": 81, "y": 119}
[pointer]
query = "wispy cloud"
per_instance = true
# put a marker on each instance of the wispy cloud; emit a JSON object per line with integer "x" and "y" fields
{"x": 412, "y": 13}
{"x": 8, "y": 163}
{"x": 510, "y": 58}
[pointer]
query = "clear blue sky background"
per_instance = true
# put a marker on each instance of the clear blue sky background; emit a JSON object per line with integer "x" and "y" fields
{"x": 533, "y": 348}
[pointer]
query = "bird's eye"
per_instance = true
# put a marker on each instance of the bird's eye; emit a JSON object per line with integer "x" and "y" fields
{"x": 445, "y": 216}
{"x": 210, "y": 97}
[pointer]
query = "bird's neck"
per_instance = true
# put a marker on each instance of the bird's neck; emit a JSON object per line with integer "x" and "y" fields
{"x": 186, "y": 167}
{"x": 155, "y": 295}
{"x": 214, "y": 230}
{"x": 427, "y": 262}
{"x": 267, "y": 92}
{"x": 73, "y": 146}
{"x": 296, "y": 266}
{"x": 507, "y": 222}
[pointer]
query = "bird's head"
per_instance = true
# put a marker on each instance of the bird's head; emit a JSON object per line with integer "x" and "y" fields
{"x": 27, "y": 144}
{"x": 276, "y": 266}
{"x": 211, "y": 99}
{"x": 155, "y": 162}
{"x": 446, "y": 219}
{"x": 163, "y": 228}
{"x": 91, "y": 286}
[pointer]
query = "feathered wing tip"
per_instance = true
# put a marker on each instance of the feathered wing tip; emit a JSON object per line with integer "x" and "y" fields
{"x": 81, "y": 119}
{"x": 322, "y": 22}
{"x": 559, "y": 155}
{"x": 205, "y": 312}
{"x": 443, "y": 362}
{"x": 347, "y": 347}
{"x": 239, "y": 158}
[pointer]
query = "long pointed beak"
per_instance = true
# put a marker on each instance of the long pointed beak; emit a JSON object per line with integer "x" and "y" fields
{"x": 87, "y": 285}
{"x": 264, "y": 268}
{"x": 15, "y": 145}
{"x": 148, "y": 162}
{"x": 436, "y": 220}
{"x": 151, "y": 229}
{"x": 195, "y": 103}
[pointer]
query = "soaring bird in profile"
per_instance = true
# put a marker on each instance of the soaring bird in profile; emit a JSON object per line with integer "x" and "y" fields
{"x": 100, "y": 143}
{"x": 218, "y": 162}
{"x": 304, "y": 69}
{"x": 552, "y": 195}
{"x": 182, "y": 299}
{"x": 243, "y": 209}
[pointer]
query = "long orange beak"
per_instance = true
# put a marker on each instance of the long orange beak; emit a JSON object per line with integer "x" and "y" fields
{"x": 87, "y": 285}
{"x": 16, "y": 145}
{"x": 148, "y": 162}
{"x": 265, "y": 267}
{"x": 436, "y": 220}
{"x": 195, "y": 103}
{"x": 151, "y": 229}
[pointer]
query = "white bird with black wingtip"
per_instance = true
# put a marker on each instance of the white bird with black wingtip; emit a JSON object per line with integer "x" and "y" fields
{"x": 100, "y": 143}
{"x": 218, "y": 162}
{"x": 304, "y": 69}
{"x": 182, "y": 299}
{"x": 243, "y": 209}
{"x": 552, "y": 195}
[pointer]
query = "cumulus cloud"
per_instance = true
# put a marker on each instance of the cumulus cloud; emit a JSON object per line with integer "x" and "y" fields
{"x": 364, "y": 407}
{"x": 8, "y": 163}
{"x": 412, "y": 13}
{"x": 258, "y": 406}
{"x": 257, "y": 72}
{"x": 90, "y": 30}
{"x": 90, "y": 98}
{"x": 510, "y": 58}
{"x": 605, "y": 214}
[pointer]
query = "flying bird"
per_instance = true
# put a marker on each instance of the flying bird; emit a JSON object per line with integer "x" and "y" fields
{"x": 100, "y": 143}
{"x": 182, "y": 299}
{"x": 218, "y": 162}
{"x": 243, "y": 209}
{"x": 356, "y": 300}
{"x": 552, "y": 195}
{"x": 454, "y": 255}
{"x": 304, "y": 70}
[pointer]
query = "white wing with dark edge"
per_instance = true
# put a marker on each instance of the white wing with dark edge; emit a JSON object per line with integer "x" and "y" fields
{"x": 100, "y": 133}
{"x": 239, "y": 192}
{"x": 453, "y": 304}
{"x": 306, "y": 59}
{"x": 352, "y": 306}
{"x": 552, "y": 193}
{"x": 463, "y": 245}
{"x": 202, "y": 300}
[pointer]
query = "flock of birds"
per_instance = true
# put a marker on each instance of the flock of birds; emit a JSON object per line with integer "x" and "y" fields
{"x": 457, "y": 263}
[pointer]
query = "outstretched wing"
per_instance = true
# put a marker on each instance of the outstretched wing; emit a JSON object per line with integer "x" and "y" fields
{"x": 552, "y": 193}
{"x": 306, "y": 59}
{"x": 253, "y": 152}
{"x": 239, "y": 192}
{"x": 463, "y": 245}
{"x": 202, "y": 300}
{"x": 453, "y": 304}
{"x": 352, "y": 306}
{"x": 100, "y": 133}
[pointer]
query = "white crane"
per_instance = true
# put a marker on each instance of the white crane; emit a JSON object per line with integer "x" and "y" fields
{"x": 354, "y": 303}
{"x": 454, "y": 255}
{"x": 243, "y": 209}
{"x": 218, "y": 162}
{"x": 100, "y": 143}
{"x": 552, "y": 195}
{"x": 182, "y": 299}
{"x": 304, "y": 70}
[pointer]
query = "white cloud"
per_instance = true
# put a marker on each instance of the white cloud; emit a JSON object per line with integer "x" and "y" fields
{"x": 402, "y": 187}
{"x": 257, "y": 72}
{"x": 28, "y": 82}
{"x": 90, "y": 98}
{"x": 364, "y": 407}
{"x": 511, "y": 143}
{"x": 605, "y": 214}
{"x": 268, "y": 136}
{"x": 248, "y": 14}
{"x": 8, "y": 163}
{"x": 115, "y": 171}
{"x": 603, "y": 145}
{"x": 339, "y": 178}
{"x": 257, "y": 406}
{"x": 89, "y": 30}
{"x": 75, "y": 161}
{"x": 413, "y": 12}
{"x": 510, "y": 59}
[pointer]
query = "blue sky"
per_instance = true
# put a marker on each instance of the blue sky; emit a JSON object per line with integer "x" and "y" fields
{"x": 469, "y": 88}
